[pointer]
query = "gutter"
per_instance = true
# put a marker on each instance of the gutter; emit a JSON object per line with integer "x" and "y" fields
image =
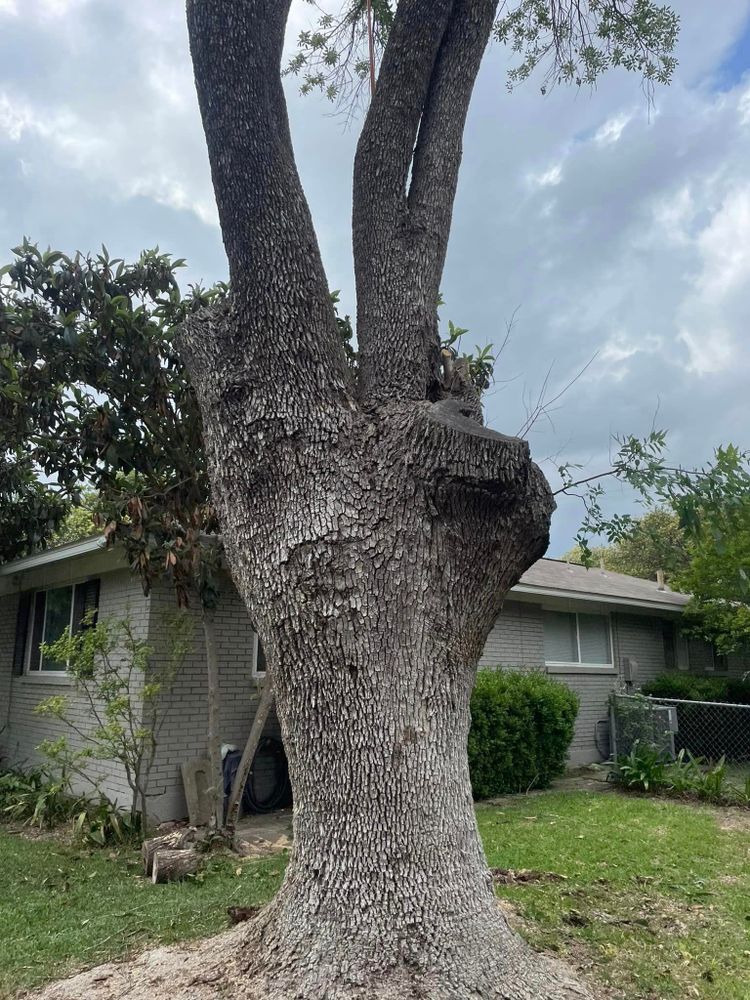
{"x": 583, "y": 595}
{"x": 69, "y": 551}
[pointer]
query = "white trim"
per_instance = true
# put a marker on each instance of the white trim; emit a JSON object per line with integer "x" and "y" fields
{"x": 579, "y": 595}
{"x": 57, "y": 554}
{"x": 581, "y": 668}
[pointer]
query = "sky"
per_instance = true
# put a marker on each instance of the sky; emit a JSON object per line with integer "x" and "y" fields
{"x": 613, "y": 233}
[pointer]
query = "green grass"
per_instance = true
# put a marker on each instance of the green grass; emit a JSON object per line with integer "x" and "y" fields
{"x": 655, "y": 903}
{"x": 62, "y": 908}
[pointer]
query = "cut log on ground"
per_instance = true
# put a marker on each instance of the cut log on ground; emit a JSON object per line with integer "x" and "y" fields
{"x": 173, "y": 841}
{"x": 172, "y": 866}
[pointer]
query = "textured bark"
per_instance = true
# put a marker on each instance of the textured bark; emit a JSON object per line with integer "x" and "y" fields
{"x": 173, "y": 841}
{"x": 248, "y": 754}
{"x": 372, "y": 539}
{"x": 403, "y": 196}
{"x": 173, "y": 866}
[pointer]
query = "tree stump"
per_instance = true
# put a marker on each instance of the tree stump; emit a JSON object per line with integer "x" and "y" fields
{"x": 171, "y": 866}
{"x": 173, "y": 841}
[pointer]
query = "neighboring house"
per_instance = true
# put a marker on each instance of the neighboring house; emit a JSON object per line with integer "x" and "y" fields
{"x": 593, "y": 629}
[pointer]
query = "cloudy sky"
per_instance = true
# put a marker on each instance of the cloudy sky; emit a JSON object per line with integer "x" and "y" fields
{"x": 611, "y": 230}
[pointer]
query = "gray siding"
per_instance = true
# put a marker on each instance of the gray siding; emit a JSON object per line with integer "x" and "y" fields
{"x": 517, "y": 639}
{"x": 640, "y": 638}
{"x": 120, "y": 596}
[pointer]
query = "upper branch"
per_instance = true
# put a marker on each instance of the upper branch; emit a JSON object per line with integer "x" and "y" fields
{"x": 281, "y": 330}
{"x": 392, "y": 354}
{"x": 400, "y": 235}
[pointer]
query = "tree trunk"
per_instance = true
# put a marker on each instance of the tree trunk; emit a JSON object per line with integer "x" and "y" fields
{"x": 173, "y": 866}
{"x": 372, "y": 536}
{"x": 216, "y": 788}
{"x": 248, "y": 755}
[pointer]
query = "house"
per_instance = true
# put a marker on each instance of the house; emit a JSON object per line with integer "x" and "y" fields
{"x": 594, "y": 630}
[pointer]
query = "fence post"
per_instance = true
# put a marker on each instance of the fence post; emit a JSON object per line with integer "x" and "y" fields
{"x": 612, "y": 729}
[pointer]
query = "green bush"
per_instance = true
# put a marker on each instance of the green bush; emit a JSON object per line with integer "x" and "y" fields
{"x": 699, "y": 687}
{"x": 522, "y": 724}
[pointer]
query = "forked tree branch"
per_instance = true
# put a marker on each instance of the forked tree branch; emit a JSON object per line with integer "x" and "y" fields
{"x": 401, "y": 232}
{"x": 285, "y": 336}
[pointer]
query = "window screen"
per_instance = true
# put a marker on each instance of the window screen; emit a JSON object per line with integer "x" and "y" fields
{"x": 576, "y": 638}
{"x": 593, "y": 639}
{"x": 560, "y": 644}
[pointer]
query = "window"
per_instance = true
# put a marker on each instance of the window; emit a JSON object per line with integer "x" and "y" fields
{"x": 49, "y": 615}
{"x": 669, "y": 638}
{"x": 577, "y": 638}
{"x": 259, "y": 660}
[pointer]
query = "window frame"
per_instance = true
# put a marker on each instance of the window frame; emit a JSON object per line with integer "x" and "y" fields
{"x": 257, "y": 675}
{"x": 576, "y": 666}
{"x": 37, "y": 671}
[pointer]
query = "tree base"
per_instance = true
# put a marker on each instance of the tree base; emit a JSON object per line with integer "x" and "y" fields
{"x": 238, "y": 965}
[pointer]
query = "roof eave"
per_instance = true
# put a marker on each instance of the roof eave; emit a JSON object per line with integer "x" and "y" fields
{"x": 57, "y": 554}
{"x": 580, "y": 595}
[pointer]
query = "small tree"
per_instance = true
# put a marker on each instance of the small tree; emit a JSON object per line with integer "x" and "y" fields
{"x": 124, "y": 688}
{"x": 657, "y": 542}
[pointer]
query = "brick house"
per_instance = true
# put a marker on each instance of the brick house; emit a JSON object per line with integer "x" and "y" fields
{"x": 592, "y": 629}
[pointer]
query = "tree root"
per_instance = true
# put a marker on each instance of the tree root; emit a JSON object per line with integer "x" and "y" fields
{"x": 235, "y": 965}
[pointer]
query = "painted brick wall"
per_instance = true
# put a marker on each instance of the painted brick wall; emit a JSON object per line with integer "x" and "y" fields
{"x": 517, "y": 638}
{"x": 8, "y": 610}
{"x": 183, "y": 734}
{"x": 120, "y": 595}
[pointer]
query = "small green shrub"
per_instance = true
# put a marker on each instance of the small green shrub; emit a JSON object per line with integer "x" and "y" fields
{"x": 38, "y": 799}
{"x": 522, "y": 724}
{"x": 102, "y": 823}
{"x": 699, "y": 687}
{"x": 643, "y": 769}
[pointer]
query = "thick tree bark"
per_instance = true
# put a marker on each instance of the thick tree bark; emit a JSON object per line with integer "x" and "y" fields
{"x": 372, "y": 540}
{"x": 173, "y": 866}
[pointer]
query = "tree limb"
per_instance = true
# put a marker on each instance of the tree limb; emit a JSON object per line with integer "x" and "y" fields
{"x": 280, "y": 331}
{"x": 400, "y": 235}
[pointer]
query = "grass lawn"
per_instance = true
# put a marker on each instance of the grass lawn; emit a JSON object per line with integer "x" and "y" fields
{"x": 655, "y": 902}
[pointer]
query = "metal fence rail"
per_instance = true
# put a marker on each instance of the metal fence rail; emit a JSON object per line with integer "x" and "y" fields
{"x": 708, "y": 729}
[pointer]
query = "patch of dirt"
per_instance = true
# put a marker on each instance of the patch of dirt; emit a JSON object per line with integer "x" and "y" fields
{"x": 523, "y": 876}
{"x": 733, "y": 819}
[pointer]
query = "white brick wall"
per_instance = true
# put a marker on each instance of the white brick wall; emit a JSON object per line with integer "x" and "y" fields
{"x": 183, "y": 735}
{"x": 120, "y": 595}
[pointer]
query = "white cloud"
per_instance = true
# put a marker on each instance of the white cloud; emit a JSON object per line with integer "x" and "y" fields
{"x": 709, "y": 352}
{"x": 9, "y": 7}
{"x": 548, "y": 178}
{"x": 612, "y": 129}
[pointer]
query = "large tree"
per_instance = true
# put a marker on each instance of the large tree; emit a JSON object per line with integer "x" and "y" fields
{"x": 373, "y": 527}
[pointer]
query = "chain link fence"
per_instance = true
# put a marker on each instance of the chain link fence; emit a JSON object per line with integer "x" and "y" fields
{"x": 707, "y": 729}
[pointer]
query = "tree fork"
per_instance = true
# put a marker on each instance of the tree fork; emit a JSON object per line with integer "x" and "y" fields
{"x": 372, "y": 542}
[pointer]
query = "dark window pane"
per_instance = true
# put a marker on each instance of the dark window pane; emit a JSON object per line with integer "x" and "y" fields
{"x": 560, "y": 644}
{"x": 56, "y": 622}
{"x": 593, "y": 636}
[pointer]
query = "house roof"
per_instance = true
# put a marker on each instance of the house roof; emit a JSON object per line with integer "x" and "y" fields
{"x": 546, "y": 578}
{"x": 555, "y": 578}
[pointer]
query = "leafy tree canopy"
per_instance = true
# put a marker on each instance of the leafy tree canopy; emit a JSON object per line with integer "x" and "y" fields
{"x": 657, "y": 542}
{"x": 567, "y": 41}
